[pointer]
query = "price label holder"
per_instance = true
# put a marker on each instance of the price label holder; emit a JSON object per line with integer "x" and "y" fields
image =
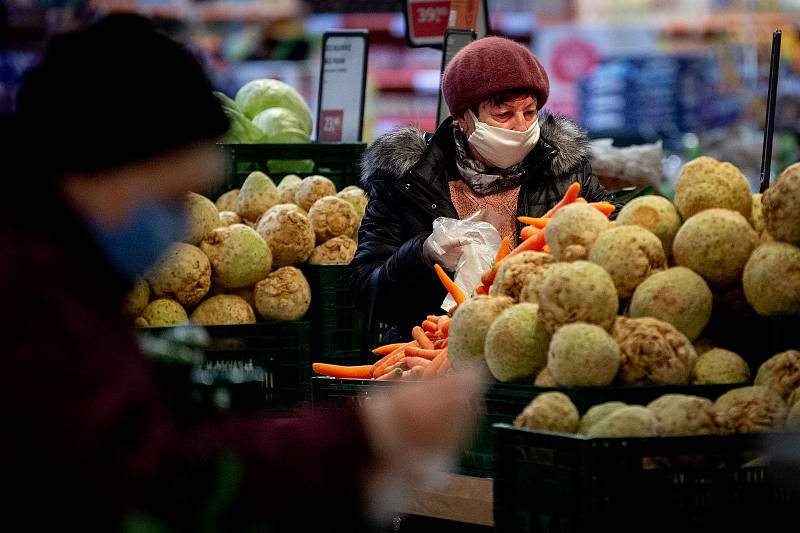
{"x": 427, "y": 20}
{"x": 454, "y": 40}
{"x": 342, "y": 86}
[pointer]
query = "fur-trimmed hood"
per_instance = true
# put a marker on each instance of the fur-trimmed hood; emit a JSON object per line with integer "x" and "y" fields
{"x": 394, "y": 153}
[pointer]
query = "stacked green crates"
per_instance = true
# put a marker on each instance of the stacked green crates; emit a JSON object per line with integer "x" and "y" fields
{"x": 337, "y": 327}
{"x": 281, "y": 349}
{"x": 549, "y": 482}
{"x": 339, "y": 162}
{"x": 502, "y": 403}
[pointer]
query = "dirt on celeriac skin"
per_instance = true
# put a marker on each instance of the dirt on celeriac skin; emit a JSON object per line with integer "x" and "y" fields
{"x": 283, "y": 295}
{"x": 653, "y": 352}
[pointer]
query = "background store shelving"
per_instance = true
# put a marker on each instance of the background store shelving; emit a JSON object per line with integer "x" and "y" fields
{"x": 690, "y": 72}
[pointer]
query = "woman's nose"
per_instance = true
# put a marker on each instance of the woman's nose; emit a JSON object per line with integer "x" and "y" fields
{"x": 518, "y": 123}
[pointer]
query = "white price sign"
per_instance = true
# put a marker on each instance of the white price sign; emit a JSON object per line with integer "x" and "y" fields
{"x": 343, "y": 78}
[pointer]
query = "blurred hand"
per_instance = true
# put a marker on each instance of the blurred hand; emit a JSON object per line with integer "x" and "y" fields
{"x": 417, "y": 431}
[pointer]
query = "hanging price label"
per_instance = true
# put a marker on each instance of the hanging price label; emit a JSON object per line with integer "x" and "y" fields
{"x": 427, "y": 20}
{"x": 464, "y": 14}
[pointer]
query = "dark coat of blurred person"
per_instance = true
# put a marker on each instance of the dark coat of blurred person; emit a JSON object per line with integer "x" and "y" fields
{"x": 114, "y": 127}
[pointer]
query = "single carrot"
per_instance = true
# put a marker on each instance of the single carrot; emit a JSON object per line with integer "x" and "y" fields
{"x": 528, "y": 231}
{"x": 430, "y": 326}
{"x": 413, "y": 374}
{"x": 546, "y": 249}
{"x": 448, "y": 283}
{"x": 419, "y": 335}
{"x": 381, "y": 366}
{"x": 535, "y": 222}
{"x": 387, "y": 349}
{"x": 445, "y": 326}
{"x": 481, "y": 290}
{"x": 389, "y": 376}
{"x": 427, "y": 353}
{"x": 488, "y": 277}
{"x": 532, "y": 243}
{"x": 505, "y": 247}
{"x": 604, "y": 207}
{"x": 412, "y": 362}
{"x": 433, "y": 318}
{"x": 569, "y": 196}
{"x": 444, "y": 367}
{"x": 340, "y": 371}
{"x": 433, "y": 368}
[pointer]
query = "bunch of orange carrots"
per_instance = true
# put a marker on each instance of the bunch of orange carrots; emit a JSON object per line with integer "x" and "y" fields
{"x": 533, "y": 233}
{"x": 424, "y": 357}
{"x": 535, "y": 226}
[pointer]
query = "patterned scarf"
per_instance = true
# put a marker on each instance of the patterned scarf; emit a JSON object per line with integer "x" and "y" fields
{"x": 484, "y": 179}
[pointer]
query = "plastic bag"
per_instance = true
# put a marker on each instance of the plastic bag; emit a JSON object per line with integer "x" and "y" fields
{"x": 474, "y": 240}
{"x": 640, "y": 163}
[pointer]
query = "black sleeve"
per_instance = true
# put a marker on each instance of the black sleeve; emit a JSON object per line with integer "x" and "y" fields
{"x": 593, "y": 191}
{"x": 391, "y": 280}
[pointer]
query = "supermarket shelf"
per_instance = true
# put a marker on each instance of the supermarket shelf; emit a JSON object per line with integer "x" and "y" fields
{"x": 407, "y": 79}
{"x": 214, "y": 11}
{"x": 718, "y": 21}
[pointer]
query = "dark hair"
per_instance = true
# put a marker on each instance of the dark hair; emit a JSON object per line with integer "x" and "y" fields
{"x": 502, "y": 97}
{"x": 113, "y": 93}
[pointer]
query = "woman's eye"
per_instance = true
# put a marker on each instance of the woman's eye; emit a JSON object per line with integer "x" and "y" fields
{"x": 529, "y": 115}
{"x": 503, "y": 116}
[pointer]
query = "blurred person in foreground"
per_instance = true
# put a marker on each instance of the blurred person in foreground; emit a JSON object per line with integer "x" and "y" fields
{"x": 498, "y": 154}
{"x": 115, "y": 126}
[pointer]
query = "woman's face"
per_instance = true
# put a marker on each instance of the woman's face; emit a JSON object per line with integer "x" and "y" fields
{"x": 517, "y": 114}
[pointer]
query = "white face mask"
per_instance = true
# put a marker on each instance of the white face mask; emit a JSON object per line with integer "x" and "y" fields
{"x": 501, "y": 147}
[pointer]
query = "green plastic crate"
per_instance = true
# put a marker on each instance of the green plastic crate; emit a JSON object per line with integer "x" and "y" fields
{"x": 548, "y": 482}
{"x": 502, "y": 403}
{"x": 282, "y": 349}
{"x": 340, "y": 162}
{"x": 337, "y": 326}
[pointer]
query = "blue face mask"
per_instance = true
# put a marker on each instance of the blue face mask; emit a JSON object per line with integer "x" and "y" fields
{"x": 149, "y": 232}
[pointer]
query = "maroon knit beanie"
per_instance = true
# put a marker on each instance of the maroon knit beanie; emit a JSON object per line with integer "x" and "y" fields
{"x": 488, "y": 66}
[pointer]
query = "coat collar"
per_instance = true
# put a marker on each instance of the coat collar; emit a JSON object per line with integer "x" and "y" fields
{"x": 563, "y": 145}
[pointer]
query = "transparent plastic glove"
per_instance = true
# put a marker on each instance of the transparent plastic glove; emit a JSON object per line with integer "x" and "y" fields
{"x": 450, "y": 235}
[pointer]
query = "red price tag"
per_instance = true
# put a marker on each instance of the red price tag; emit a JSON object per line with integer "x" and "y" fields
{"x": 331, "y": 125}
{"x": 429, "y": 18}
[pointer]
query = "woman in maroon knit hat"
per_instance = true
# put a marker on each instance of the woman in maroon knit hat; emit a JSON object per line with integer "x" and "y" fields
{"x": 496, "y": 154}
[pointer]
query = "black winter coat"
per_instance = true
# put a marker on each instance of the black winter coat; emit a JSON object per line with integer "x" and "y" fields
{"x": 405, "y": 174}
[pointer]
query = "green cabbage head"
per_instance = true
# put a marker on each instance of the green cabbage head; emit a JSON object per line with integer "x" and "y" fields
{"x": 259, "y": 95}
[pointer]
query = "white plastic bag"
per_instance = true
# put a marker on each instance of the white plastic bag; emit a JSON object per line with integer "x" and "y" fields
{"x": 479, "y": 242}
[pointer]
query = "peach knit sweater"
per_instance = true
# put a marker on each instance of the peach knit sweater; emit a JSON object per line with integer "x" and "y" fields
{"x": 500, "y": 206}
